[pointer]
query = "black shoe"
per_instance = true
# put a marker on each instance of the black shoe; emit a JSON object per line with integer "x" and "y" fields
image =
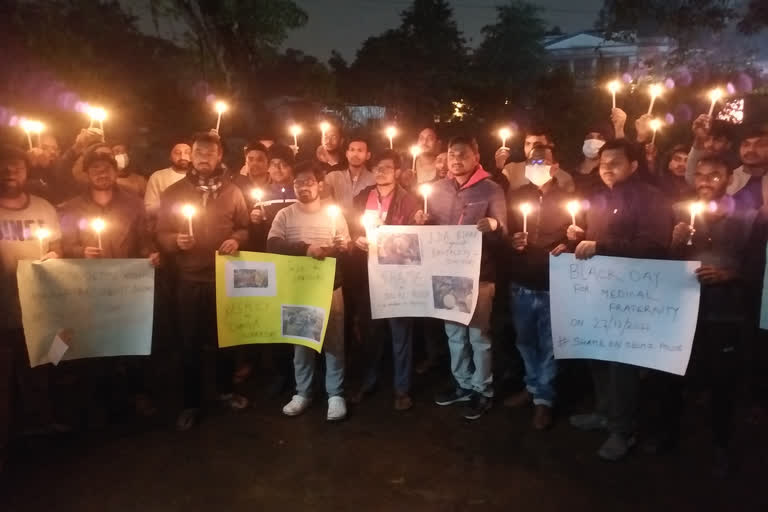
{"x": 453, "y": 396}
{"x": 478, "y": 406}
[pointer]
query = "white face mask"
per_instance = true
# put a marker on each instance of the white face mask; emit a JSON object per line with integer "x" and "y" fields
{"x": 538, "y": 174}
{"x": 592, "y": 147}
{"x": 122, "y": 161}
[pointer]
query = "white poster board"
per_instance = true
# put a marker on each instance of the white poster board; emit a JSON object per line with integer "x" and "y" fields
{"x": 424, "y": 271}
{"x": 640, "y": 312}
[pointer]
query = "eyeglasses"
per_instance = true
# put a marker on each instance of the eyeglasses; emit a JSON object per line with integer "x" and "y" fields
{"x": 307, "y": 182}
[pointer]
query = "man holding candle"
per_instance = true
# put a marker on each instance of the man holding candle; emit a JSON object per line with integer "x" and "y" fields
{"x": 385, "y": 203}
{"x": 541, "y": 231}
{"x": 220, "y": 225}
{"x": 344, "y": 185}
{"x": 471, "y": 197}
{"x": 22, "y": 216}
{"x": 631, "y": 219}
{"x": 305, "y": 229}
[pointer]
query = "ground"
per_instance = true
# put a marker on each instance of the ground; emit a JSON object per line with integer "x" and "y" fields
{"x": 426, "y": 459}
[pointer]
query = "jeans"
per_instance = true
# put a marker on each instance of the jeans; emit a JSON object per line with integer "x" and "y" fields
{"x": 304, "y": 360}
{"x": 470, "y": 346}
{"x": 401, "y": 330}
{"x": 533, "y": 324}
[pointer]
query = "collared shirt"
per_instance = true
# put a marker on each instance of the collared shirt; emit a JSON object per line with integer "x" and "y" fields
{"x": 344, "y": 188}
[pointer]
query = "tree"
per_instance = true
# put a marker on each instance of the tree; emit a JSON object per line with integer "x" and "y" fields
{"x": 511, "y": 56}
{"x": 756, "y": 17}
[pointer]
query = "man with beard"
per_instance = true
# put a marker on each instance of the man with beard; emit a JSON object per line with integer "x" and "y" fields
{"x": 303, "y": 229}
{"x": 749, "y": 186}
{"x": 329, "y": 153}
{"x": 126, "y": 236}
{"x": 672, "y": 180}
{"x": 220, "y": 224}
{"x": 344, "y": 186}
{"x": 21, "y": 216}
{"x": 429, "y": 144}
{"x": 164, "y": 178}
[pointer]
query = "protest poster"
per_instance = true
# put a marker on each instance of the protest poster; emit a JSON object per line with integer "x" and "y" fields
{"x": 270, "y": 298}
{"x": 424, "y": 271}
{"x": 78, "y": 308}
{"x": 640, "y": 312}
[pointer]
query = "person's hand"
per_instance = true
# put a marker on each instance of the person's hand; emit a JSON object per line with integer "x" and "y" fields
{"x": 681, "y": 234}
{"x": 560, "y": 249}
{"x": 701, "y": 127}
{"x": 708, "y": 274}
{"x": 52, "y": 255}
{"x": 575, "y": 233}
{"x": 316, "y": 251}
{"x": 340, "y": 243}
{"x": 36, "y": 157}
{"x": 487, "y": 225}
{"x": 295, "y": 149}
{"x": 154, "y": 259}
{"x": 420, "y": 218}
{"x": 502, "y": 154}
{"x": 519, "y": 241}
{"x": 85, "y": 139}
{"x": 362, "y": 243}
{"x": 651, "y": 152}
{"x": 229, "y": 246}
{"x": 619, "y": 120}
{"x": 258, "y": 216}
{"x": 91, "y": 253}
{"x": 585, "y": 250}
{"x": 185, "y": 242}
{"x": 643, "y": 127}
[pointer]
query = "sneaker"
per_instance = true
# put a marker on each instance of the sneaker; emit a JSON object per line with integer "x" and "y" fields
{"x": 453, "y": 396}
{"x": 403, "y": 402}
{"x": 518, "y": 399}
{"x": 542, "y": 417}
{"x": 591, "y": 421}
{"x": 616, "y": 447}
{"x": 478, "y": 406}
{"x": 187, "y": 419}
{"x": 337, "y": 409}
{"x": 296, "y": 406}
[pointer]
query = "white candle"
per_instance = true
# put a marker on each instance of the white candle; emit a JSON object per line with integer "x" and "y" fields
{"x": 696, "y": 209}
{"x": 369, "y": 224}
{"x": 189, "y": 211}
{"x": 42, "y": 234}
{"x": 415, "y": 152}
{"x": 333, "y": 212}
{"x": 98, "y": 114}
{"x": 655, "y": 125}
{"x": 257, "y": 194}
{"x": 26, "y": 125}
{"x": 504, "y": 133}
{"x": 220, "y": 107}
{"x": 98, "y": 226}
{"x": 295, "y": 131}
{"x": 525, "y": 209}
{"x": 714, "y": 96}
{"x": 391, "y": 132}
{"x": 655, "y": 91}
{"x": 613, "y": 87}
{"x": 324, "y": 126}
{"x": 573, "y": 209}
{"x": 425, "y": 190}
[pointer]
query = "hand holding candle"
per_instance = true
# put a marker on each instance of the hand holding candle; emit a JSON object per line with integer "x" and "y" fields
{"x": 504, "y": 134}
{"x": 655, "y": 91}
{"x": 98, "y": 114}
{"x": 42, "y": 234}
{"x": 189, "y": 211}
{"x": 98, "y": 225}
{"x": 324, "y": 127}
{"x": 415, "y": 152}
{"x": 714, "y": 97}
{"x": 391, "y": 133}
{"x": 525, "y": 209}
{"x": 333, "y": 213}
{"x": 425, "y": 190}
{"x": 655, "y": 124}
{"x": 696, "y": 209}
{"x": 573, "y": 208}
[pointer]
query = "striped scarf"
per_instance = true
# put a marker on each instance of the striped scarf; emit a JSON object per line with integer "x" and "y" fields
{"x": 207, "y": 185}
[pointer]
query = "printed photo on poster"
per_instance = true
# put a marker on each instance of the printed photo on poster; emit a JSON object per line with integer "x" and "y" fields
{"x": 453, "y": 293}
{"x": 251, "y": 279}
{"x": 303, "y": 322}
{"x": 398, "y": 249}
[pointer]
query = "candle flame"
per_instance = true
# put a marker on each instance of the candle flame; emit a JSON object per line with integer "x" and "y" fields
{"x": 614, "y": 86}
{"x": 697, "y": 208}
{"x": 573, "y": 207}
{"x": 97, "y": 114}
{"x": 525, "y": 208}
{"x": 656, "y": 90}
{"x": 333, "y": 211}
{"x": 391, "y": 131}
{"x": 715, "y": 94}
{"x": 655, "y": 124}
{"x": 324, "y": 126}
{"x": 257, "y": 194}
{"x": 42, "y": 233}
{"x": 98, "y": 225}
{"x": 295, "y": 130}
{"x": 29, "y": 125}
{"x": 505, "y": 133}
{"x": 188, "y": 210}
{"x": 220, "y": 107}
{"x": 415, "y": 151}
{"x": 425, "y": 189}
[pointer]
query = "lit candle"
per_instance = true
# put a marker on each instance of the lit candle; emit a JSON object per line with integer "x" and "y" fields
{"x": 369, "y": 224}
{"x": 415, "y": 152}
{"x": 98, "y": 114}
{"x": 655, "y": 125}
{"x": 98, "y": 226}
{"x": 525, "y": 209}
{"x": 425, "y": 190}
{"x": 257, "y": 195}
{"x": 42, "y": 234}
{"x": 613, "y": 87}
{"x": 189, "y": 211}
{"x": 38, "y": 128}
{"x": 324, "y": 126}
{"x": 282, "y": 191}
{"x": 333, "y": 212}
{"x": 220, "y": 107}
{"x": 573, "y": 209}
{"x": 295, "y": 131}
{"x": 504, "y": 133}
{"x": 27, "y": 125}
{"x": 391, "y": 132}
{"x": 714, "y": 96}
{"x": 696, "y": 209}
{"x": 655, "y": 91}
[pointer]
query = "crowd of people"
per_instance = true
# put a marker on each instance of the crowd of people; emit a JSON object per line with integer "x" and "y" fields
{"x": 636, "y": 204}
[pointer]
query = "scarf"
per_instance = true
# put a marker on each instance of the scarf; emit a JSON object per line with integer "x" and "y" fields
{"x": 207, "y": 186}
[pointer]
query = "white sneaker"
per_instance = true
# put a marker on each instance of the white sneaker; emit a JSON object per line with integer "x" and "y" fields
{"x": 337, "y": 409}
{"x": 296, "y": 406}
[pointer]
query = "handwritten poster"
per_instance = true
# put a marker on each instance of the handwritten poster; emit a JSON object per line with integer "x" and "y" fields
{"x": 74, "y": 309}
{"x": 270, "y": 298}
{"x": 640, "y": 312}
{"x": 424, "y": 271}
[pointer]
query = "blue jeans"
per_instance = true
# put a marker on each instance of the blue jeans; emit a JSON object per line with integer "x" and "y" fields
{"x": 533, "y": 324}
{"x": 304, "y": 358}
{"x": 402, "y": 352}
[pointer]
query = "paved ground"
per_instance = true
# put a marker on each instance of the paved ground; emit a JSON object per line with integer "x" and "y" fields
{"x": 426, "y": 459}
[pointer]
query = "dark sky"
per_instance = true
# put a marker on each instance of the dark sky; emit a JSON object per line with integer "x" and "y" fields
{"x": 345, "y": 24}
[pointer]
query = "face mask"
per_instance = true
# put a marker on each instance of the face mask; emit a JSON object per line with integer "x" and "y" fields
{"x": 592, "y": 147}
{"x": 122, "y": 161}
{"x": 538, "y": 174}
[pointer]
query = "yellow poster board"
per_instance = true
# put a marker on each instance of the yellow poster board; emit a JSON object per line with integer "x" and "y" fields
{"x": 270, "y": 298}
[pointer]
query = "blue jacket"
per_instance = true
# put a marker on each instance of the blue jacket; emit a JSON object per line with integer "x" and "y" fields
{"x": 451, "y": 205}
